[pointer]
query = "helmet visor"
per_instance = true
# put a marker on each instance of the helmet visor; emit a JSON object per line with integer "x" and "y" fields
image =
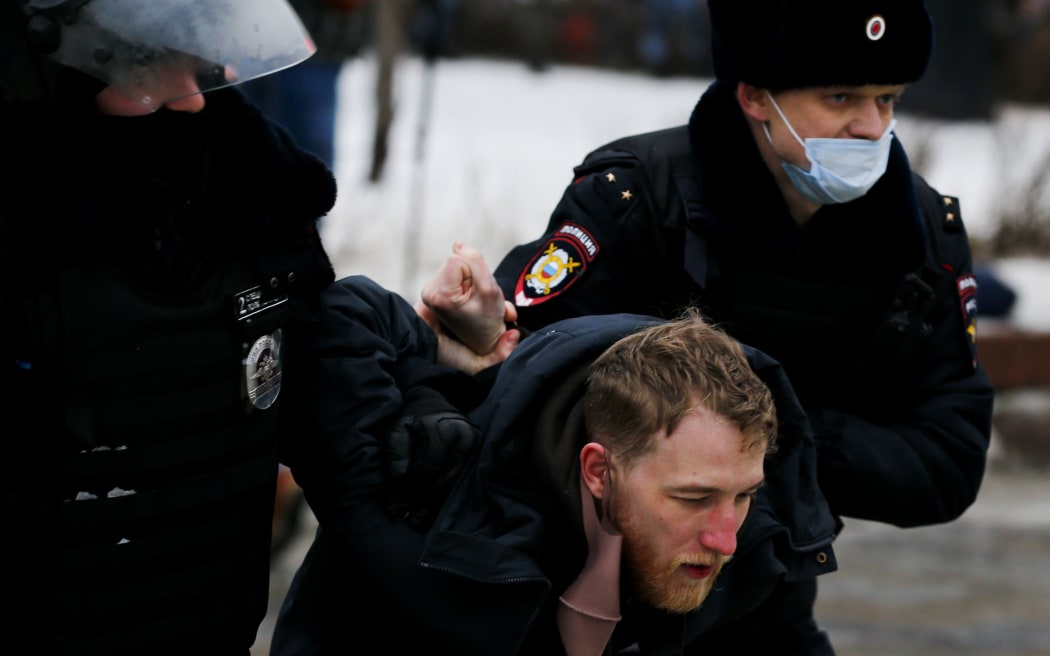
{"x": 157, "y": 51}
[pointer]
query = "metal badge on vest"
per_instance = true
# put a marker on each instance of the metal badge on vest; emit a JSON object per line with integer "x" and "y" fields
{"x": 260, "y": 314}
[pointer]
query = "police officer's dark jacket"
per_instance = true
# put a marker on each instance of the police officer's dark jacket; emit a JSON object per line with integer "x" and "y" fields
{"x": 151, "y": 266}
{"x": 485, "y": 579}
{"x": 869, "y": 306}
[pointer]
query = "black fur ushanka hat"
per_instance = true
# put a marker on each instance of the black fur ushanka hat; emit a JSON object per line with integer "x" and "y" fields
{"x": 794, "y": 44}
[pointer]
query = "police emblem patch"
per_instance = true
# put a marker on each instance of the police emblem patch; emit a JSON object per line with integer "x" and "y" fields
{"x": 262, "y": 370}
{"x": 559, "y": 264}
{"x": 967, "y": 287}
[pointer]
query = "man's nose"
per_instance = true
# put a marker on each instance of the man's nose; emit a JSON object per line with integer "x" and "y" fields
{"x": 720, "y": 533}
{"x": 869, "y": 122}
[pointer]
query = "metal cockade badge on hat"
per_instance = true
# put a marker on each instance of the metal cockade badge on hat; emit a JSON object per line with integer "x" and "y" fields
{"x": 876, "y": 27}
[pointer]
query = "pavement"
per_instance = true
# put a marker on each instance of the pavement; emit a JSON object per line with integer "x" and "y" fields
{"x": 978, "y": 586}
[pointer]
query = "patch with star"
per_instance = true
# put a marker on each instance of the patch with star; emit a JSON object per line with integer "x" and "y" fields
{"x": 559, "y": 263}
{"x": 967, "y": 286}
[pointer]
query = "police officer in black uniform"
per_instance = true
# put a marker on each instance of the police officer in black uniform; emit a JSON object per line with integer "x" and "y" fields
{"x": 786, "y": 209}
{"x": 153, "y": 261}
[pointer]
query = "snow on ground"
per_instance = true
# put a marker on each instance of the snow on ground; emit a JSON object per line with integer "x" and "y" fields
{"x": 501, "y": 140}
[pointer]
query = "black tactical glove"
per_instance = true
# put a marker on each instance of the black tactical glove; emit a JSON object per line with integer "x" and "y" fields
{"x": 425, "y": 452}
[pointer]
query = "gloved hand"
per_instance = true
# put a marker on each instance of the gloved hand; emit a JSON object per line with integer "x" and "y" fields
{"x": 425, "y": 453}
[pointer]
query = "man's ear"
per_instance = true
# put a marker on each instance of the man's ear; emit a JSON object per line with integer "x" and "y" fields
{"x": 753, "y": 101}
{"x": 594, "y": 463}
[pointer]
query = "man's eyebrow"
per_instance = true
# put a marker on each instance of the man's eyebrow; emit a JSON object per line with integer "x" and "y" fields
{"x": 708, "y": 489}
{"x": 757, "y": 486}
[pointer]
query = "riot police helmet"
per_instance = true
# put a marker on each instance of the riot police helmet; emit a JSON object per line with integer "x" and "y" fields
{"x": 140, "y": 47}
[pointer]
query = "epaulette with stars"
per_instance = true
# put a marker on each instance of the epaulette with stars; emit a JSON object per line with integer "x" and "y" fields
{"x": 615, "y": 183}
{"x": 952, "y": 219}
{"x": 965, "y": 284}
{"x": 564, "y": 257}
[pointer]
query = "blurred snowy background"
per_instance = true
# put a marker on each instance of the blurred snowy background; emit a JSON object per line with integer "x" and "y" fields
{"x": 500, "y": 141}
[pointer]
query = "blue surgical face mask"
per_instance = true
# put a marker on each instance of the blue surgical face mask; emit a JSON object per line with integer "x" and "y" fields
{"x": 840, "y": 170}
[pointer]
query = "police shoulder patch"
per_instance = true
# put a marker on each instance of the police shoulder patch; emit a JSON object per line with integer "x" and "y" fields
{"x": 560, "y": 262}
{"x": 967, "y": 288}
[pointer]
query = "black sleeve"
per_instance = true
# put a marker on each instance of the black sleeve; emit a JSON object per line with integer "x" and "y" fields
{"x": 346, "y": 376}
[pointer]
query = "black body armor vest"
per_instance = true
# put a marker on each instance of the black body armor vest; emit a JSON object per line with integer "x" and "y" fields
{"x": 148, "y": 265}
{"x": 165, "y": 468}
{"x": 145, "y": 426}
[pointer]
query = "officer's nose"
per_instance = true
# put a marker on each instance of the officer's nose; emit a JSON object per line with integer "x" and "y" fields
{"x": 192, "y": 103}
{"x": 869, "y": 122}
{"x": 176, "y": 88}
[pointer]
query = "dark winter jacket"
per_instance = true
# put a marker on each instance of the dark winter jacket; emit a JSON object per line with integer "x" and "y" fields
{"x": 349, "y": 375}
{"x": 485, "y": 579}
{"x": 869, "y": 306}
{"x": 152, "y": 268}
